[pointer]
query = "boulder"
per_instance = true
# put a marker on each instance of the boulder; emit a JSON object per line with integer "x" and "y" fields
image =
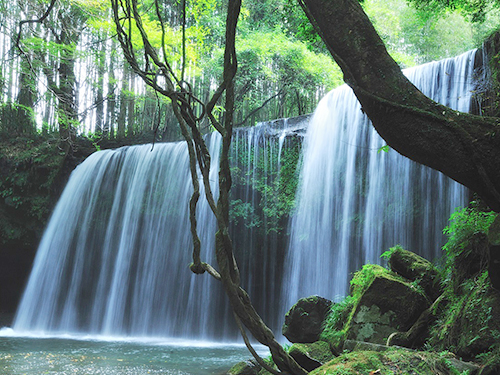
{"x": 387, "y": 305}
{"x": 245, "y": 368}
{"x": 400, "y": 361}
{"x": 419, "y": 332}
{"x": 413, "y": 267}
{"x": 311, "y": 356}
{"x": 304, "y": 321}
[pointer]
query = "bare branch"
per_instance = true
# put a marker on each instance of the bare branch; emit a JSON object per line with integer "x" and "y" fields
{"x": 39, "y": 20}
{"x": 252, "y": 350}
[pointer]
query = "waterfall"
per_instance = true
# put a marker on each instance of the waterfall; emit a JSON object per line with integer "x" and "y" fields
{"x": 355, "y": 200}
{"x": 114, "y": 258}
{"x": 262, "y": 173}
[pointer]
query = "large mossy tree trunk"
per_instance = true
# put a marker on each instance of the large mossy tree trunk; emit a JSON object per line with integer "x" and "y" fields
{"x": 462, "y": 146}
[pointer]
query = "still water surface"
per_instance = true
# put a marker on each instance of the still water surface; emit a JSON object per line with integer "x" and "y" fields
{"x": 58, "y": 356}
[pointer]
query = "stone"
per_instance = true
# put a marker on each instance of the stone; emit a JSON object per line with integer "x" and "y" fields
{"x": 304, "y": 321}
{"x": 387, "y": 305}
{"x": 311, "y": 356}
{"x": 413, "y": 267}
{"x": 418, "y": 333}
{"x": 353, "y": 345}
{"x": 245, "y": 368}
{"x": 396, "y": 360}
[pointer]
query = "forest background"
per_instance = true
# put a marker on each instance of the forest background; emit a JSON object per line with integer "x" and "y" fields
{"x": 67, "y": 74}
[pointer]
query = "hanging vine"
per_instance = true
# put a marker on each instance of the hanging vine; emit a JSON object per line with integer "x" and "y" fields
{"x": 158, "y": 73}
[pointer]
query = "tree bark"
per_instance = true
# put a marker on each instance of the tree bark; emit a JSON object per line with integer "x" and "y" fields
{"x": 462, "y": 146}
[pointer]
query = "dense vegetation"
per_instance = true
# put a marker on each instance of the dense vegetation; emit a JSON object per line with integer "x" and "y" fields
{"x": 66, "y": 74}
{"x": 65, "y": 77}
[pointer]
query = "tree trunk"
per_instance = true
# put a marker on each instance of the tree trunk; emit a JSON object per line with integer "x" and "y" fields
{"x": 101, "y": 61}
{"x": 462, "y": 146}
{"x": 122, "y": 114}
{"x": 109, "y": 123}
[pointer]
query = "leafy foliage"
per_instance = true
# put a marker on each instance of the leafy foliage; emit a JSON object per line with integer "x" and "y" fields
{"x": 464, "y": 224}
{"x": 413, "y": 35}
{"x": 476, "y": 10}
{"x": 469, "y": 312}
{"x": 257, "y": 175}
{"x": 29, "y": 166}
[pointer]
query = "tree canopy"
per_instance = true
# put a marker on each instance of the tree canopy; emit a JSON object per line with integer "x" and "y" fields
{"x": 284, "y": 66}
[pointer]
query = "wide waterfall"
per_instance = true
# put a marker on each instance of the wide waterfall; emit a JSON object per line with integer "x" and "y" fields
{"x": 114, "y": 258}
{"x": 356, "y": 200}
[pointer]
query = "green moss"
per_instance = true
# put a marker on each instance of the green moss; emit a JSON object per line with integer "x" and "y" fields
{"x": 469, "y": 317}
{"x": 467, "y": 227}
{"x": 339, "y": 320}
{"x": 319, "y": 351}
{"x": 470, "y": 323}
{"x": 244, "y": 368}
{"x": 390, "y": 362}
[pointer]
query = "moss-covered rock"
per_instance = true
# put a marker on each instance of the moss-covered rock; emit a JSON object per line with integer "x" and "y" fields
{"x": 245, "y": 368}
{"x": 396, "y": 361}
{"x": 388, "y": 304}
{"x": 419, "y": 332}
{"x": 311, "y": 356}
{"x": 415, "y": 268}
{"x": 304, "y": 321}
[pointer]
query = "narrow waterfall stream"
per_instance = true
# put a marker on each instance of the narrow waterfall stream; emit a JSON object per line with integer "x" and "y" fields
{"x": 356, "y": 200}
{"x": 114, "y": 258}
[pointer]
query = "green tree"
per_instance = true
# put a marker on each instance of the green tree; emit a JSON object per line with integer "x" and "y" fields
{"x": 462, "y": 146}
{"x": 476, "y": 10}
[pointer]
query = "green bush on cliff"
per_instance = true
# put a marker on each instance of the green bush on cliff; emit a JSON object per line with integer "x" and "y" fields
{"x": 469, "y": 319}
{"x": 464, "y": 224}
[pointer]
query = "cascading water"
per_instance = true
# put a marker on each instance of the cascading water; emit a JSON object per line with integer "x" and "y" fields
{"x": 354, "y": 201}
{"x": 263, "y": 182}
{"x": 114, "y": 257}
{"x": 113, "y": 260}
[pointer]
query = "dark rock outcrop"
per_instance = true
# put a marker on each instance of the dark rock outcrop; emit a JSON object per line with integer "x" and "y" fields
{"x": 304, "y": 321}
{"x": 311, "y": 356}
{"x": 413, "y": 267}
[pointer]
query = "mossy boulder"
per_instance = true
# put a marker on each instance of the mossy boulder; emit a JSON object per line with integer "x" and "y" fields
{"x": 388, "y": 304}
{"x": 396, "y": 361}
{"x": 304, "y": 321}
{"x": 311, "y": 356}
{"x": 419, "y": 332}
{"x": 415, "y": 268}
{"x": 245, "y": 368}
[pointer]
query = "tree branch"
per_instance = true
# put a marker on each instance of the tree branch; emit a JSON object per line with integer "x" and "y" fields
{"x": 39, "y": 20}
